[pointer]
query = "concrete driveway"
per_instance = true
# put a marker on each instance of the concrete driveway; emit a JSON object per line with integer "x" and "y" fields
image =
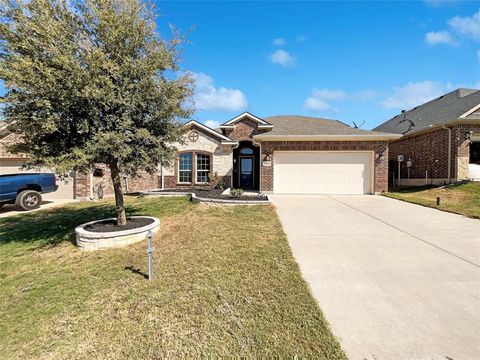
{"x": 394, "y": 280}
{"x": 8, "y": 210}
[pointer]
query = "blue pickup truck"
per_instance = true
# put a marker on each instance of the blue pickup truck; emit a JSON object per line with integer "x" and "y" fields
{"x": 25, "y": 189}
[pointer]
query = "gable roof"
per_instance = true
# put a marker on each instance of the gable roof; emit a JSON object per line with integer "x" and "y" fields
{"x": 449, "y": 107}
{"x": 224, "y": 139}
{"x": 304, "y": 127}
{"x": 261, "y": 122}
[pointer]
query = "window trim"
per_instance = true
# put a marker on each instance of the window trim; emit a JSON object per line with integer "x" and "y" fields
{"x": 209, "y": 171}
{"x": 178, "y": 167}
{"x": 194, "y": 166}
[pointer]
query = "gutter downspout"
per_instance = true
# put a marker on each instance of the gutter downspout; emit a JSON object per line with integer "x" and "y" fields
{"x": 449, "y": 152}
{"x": 162, "y": 179}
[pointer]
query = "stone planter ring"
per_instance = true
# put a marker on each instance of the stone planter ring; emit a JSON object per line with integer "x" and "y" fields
{"x": 89, "y": 240}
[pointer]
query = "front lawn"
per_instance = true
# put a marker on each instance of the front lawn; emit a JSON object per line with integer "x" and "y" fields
{"x": 225, "y": 284}
{"x": 461, "y": 199}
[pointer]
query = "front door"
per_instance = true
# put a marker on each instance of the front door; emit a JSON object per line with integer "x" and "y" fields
{"x": 246, "y": 172}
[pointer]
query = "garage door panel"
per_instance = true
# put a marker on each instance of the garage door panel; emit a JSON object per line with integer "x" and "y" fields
{"x": 322, "y": 172}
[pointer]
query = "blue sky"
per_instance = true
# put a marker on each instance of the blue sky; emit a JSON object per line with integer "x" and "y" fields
{"x": 352, "y": 61}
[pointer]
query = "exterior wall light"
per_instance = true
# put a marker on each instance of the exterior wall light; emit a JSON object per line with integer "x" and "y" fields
{"x": 468, "y": 135}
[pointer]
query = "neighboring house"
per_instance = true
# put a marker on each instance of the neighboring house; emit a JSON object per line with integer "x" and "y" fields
{"x": 440, "y": 140}
{"x": 283, "y": 155}
{"x": 11, "y": 163}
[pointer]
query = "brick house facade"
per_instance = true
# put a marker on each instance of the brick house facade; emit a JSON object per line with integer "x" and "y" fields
{"x": 440, "y": 140}
{"x": 379, "y": 148}
{"x": 428, "y": 153}
{"x": 237, "y": 154}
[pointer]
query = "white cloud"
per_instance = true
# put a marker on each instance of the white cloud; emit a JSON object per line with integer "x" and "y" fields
{"x": 316, "y": 105}
{"x": 213, "y": 124}
{"x": 279, "y": 42}
{"x": 326, "y": 94}
{"x": 439, "y": 37}
{"x": 468, "y": 25}
{"x": 208, "y": 97}
{"x": 459, "y": 27}
{"x": 319, "y": 99}
{"x": 283, "y": 58}
{"x": 414, "y": 94}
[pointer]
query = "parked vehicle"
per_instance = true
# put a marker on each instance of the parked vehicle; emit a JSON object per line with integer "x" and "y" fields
{"x": 25, "y": 190}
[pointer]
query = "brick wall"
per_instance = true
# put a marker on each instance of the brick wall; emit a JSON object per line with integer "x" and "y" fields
{"x": 81, "y": 186}
{"x": 84, "y": 182}
{"x": 244, "y": 129}
{"x": 170, "y": 182}
{"x": 379, "y": 147}
{"x": 429, "y": 153}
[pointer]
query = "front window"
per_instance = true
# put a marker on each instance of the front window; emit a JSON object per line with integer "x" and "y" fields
{"x": 185, "y": 168}
{"x": 475, "y": 153}
{"x": 203, "y": 168}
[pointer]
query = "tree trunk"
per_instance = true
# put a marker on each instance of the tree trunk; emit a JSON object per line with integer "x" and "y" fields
{"x": 117, "y": 188}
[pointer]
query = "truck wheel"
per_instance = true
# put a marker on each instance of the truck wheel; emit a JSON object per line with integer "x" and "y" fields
{"x": 28, "y": 200}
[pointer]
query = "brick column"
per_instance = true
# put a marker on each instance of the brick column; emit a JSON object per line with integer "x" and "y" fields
{"x": 81, "y": 184}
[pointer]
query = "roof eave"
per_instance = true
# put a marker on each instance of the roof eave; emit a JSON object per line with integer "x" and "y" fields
{"x": 366, "y": 137}
{"x": 245, "y": 114}
{"x": 439, "y": 126}
{"x": 223, "y": 138}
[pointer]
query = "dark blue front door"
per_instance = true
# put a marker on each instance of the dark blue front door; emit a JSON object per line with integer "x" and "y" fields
{"x": 246, "y": 172}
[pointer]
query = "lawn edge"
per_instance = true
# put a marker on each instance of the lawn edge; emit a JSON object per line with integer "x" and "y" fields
{"x": 432, "y": 207}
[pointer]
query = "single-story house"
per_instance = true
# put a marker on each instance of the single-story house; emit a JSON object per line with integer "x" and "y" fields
{"x": 283, "y": 155}
{"x": 439, "y": 143}
{"x": 279, "y": 154}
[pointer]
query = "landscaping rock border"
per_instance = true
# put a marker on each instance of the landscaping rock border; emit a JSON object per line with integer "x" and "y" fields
{"x": 197, "y": 198}
{"x": 230, "y": 201}
{"x": 91, "y": 241}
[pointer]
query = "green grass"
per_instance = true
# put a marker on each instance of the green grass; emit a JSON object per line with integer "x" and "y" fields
{"x": 225, "y": 284}
{"x": 462, "y": 198}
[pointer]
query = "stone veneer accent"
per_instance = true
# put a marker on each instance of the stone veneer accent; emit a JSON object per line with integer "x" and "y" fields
{"x": 379, "y": 147}
{"x": 221, "y": 164}
{"x": 91, "y": 241}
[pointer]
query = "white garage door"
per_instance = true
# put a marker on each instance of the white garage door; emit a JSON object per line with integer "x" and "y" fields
{"x": 322, "y": 172}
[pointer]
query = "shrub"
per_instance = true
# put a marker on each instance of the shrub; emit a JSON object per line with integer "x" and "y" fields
{"x": 236, "y": 193}
{"x": 215, "y": 181}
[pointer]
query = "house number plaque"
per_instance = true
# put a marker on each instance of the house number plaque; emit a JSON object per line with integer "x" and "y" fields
{"x": 267, "y": 163}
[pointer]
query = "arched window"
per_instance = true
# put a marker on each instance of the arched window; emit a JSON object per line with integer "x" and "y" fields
{"x": 246, "y": 151}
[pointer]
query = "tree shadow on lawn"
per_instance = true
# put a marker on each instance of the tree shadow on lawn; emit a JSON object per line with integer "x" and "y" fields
{"x": 53, "y": 226}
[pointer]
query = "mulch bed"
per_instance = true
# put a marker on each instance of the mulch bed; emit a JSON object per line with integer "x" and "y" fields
{"x": 217, "y": 194}
{"x": 111, "y": 225}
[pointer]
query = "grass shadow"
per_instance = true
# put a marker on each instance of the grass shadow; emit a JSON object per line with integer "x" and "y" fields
{"x": 53, "y": 226}
{"x": 412, "y": 189}
{"x": 136, "y": 271}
